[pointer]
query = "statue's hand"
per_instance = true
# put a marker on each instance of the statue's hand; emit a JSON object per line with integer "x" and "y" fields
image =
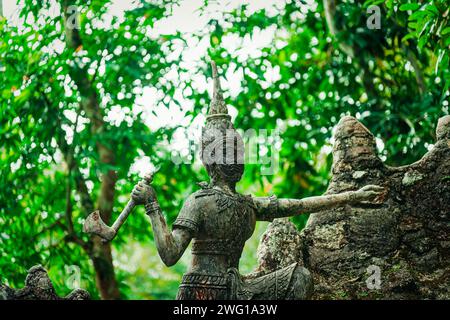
{"x": 143, "y": 193}
{"x": 369, "y": 193}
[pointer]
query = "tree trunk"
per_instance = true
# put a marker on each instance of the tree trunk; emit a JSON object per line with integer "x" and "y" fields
{"x": 399, "y": 249}
{"x": 99, "y": 253}
{"x": 105, "y": 277}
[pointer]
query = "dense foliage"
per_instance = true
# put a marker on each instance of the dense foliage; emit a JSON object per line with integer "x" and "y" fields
{"x": 73, "y": 123}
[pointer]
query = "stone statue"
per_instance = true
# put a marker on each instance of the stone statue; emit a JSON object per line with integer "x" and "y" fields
{"x": 38, "y": 286}
{"x": 395, "y": 251}
{"x": 218, "y": 221}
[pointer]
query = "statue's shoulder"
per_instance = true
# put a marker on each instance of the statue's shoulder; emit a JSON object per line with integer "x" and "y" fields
{"x": 206, "y": 191}
{"x": 250, "y": 200}
{"x": 201, "y": 199}
{"x": 193, "y": 211}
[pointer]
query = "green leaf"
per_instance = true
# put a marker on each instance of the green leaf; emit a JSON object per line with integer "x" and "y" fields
{"x": 409, "y": 6}
{"x": 445, "y": 31}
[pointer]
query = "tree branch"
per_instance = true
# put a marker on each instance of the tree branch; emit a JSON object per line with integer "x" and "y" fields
{"x": 69, "y": 157}
{"x": 57, "y": 223}
{"x": 330, "y": 12}
{"x": 89, "y": 103}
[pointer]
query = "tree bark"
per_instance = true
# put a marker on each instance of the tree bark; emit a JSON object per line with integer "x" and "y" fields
{"x": 399, "y": 249}
{"x": 99, "y": 252}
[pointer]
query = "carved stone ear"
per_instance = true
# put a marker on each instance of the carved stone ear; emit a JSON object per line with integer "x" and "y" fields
{"x": 354, "y": 147}
{"x": 443, "y": 128}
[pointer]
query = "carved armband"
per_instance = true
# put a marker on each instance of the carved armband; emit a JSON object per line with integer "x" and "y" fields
{"x": 273, "y": 205}
{"x": 190, "y": 216}
{"x": 187, "y": 223}
{"x": 152, "y": 208}
{"x": 268, "y": 208}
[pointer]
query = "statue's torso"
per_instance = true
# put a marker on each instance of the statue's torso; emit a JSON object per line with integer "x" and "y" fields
{"x": 224, "y": 223}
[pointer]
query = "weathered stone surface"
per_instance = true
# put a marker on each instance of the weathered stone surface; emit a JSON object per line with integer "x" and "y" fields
{"x": 280, "y": 251}
{"x": 406, "y": 238}
{"x": 38, "y": 286}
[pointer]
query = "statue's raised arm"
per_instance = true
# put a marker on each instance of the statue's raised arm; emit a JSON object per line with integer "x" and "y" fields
{"x": 170, "y": 244}
{"x": 270, "y": 208}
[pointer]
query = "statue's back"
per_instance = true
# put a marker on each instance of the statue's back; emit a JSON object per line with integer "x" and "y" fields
{"x": 222, "y": 223}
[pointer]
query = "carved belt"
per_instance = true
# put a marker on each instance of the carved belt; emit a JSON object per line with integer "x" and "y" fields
{"x": 212, "y": 247}
{"x": 205, "y": 280}
{"x": 199, "y": 286}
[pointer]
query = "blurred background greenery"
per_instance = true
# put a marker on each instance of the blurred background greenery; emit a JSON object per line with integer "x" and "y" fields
{"x": 95, "y": 93}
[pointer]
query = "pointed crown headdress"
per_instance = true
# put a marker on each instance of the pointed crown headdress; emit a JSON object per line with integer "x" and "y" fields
{"x": 217, "y": 109}
{"x": 219, "y": 132}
